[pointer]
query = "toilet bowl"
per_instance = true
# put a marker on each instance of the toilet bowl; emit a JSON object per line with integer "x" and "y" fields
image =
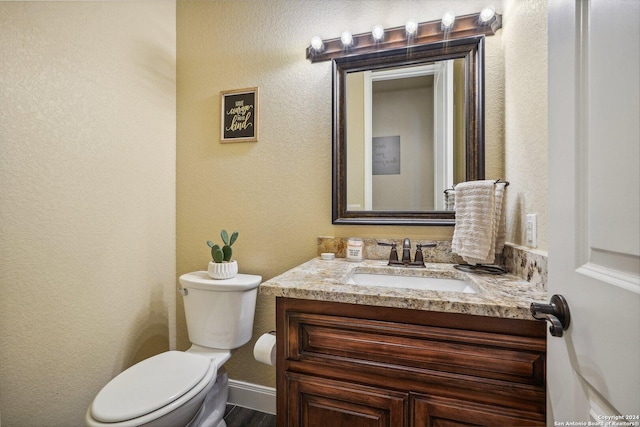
{"x": 188, "y": 388}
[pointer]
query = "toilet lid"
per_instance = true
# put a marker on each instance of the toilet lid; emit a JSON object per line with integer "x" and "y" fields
{"x": 149, "y": 385}
{"x": 201, "y": 280}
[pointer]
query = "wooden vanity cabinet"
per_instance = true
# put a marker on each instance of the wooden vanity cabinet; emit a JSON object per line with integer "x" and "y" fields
{"x": 355, "y": 365}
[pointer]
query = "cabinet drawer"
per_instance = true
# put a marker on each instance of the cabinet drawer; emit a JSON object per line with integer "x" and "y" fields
{"x": 320, "y": 402}
{"x": 435, "y": 411}
{"x": 345, "y": 340}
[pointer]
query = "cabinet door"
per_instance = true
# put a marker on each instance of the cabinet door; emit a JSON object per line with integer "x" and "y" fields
{"x": 435, "y": 411}
{"x": 319, "y": 402}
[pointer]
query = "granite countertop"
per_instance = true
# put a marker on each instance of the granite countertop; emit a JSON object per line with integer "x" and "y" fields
{"x": 504, "y": 296}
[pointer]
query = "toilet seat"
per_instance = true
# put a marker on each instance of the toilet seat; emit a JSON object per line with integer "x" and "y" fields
{"x": 153, "y": 387}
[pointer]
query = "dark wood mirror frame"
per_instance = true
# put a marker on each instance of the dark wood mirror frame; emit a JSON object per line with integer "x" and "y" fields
{"x": 471, "y": 49}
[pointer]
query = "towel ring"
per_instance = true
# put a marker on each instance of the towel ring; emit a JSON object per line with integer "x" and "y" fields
{"x": 498, "y": 181}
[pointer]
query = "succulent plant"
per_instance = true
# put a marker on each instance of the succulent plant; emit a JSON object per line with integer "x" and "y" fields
{"x": 223, "y": 254}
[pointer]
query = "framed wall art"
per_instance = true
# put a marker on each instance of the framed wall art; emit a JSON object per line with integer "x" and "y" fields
{"x": 239, "y": 110}
{"x": 386, "y": 155}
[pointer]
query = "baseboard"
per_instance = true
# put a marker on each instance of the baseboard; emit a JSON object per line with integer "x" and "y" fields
{"x": 252, "y": 396}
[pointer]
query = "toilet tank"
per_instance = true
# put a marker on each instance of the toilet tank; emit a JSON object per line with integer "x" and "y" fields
{"x": 219, "y": 312}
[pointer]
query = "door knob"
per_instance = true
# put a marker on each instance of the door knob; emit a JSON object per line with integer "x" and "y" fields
{"x": 557, "y": 313}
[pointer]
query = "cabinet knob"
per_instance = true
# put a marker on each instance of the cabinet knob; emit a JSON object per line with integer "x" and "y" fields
{"x": 556, "y": 313}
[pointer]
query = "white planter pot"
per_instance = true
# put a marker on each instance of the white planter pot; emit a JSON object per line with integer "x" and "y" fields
{"x": 222, "y": 270}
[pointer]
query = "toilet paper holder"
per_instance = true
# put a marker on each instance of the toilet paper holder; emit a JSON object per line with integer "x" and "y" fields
{"x": 264, "y": 350}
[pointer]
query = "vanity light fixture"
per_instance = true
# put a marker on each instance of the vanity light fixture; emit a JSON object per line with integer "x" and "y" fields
{"x": 377, "y": 33}
{"x": 448, "y": 19}
{"x": 316, "y": 44}
{"x": 487, "y": 14}
{"x": 347, "y": 39}
{"x": 448, "y": 28}
{"x": 411, "y": 27}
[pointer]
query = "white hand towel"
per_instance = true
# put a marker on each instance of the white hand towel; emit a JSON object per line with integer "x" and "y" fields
{"x": 501, "y": 232}
{"x": 499, "y": 229}
{"x": 450, "y": 200}
{"x": 479, "y": 231}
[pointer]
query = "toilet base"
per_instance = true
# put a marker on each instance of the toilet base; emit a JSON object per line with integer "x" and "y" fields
{"x": 211, "y": 412}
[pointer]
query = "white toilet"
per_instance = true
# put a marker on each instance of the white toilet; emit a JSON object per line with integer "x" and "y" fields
{"x": 189, "y": 388}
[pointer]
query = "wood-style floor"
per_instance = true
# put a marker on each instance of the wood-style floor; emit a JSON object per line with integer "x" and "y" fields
{"x": 237, "y": 416}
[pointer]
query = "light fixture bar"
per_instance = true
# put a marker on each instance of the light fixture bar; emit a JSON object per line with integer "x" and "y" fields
{"x": 427, "y": 32}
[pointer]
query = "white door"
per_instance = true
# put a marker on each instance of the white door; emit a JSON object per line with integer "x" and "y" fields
{"x": 594, "y": 209}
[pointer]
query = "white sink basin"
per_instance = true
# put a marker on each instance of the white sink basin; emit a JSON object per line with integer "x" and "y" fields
{"x": 411, "y": 282}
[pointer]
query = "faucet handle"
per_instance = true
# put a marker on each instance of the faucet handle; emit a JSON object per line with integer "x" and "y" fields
{"x": 418, "y": 260}
{"x": 393, "y": 255}
{"x": 426, "y": 245}
{"x": 392, "y": 244}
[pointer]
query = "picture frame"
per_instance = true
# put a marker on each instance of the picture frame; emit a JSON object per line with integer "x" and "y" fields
{"x": 386, "y": 155}
{"x": 239, "y": 115}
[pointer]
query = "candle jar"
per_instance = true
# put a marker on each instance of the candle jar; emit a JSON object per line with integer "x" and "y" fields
{"x": 355, "y": 249}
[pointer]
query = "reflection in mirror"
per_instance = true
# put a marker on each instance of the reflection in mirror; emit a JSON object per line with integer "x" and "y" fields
{"x": 408, "y": 124}
{"x": 406, "y": 130}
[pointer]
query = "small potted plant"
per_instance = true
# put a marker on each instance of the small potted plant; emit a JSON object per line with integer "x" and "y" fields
{"x": 222, "y": 266}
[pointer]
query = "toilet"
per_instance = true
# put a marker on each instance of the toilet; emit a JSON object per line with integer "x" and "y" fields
{"x": 187, "y": 388}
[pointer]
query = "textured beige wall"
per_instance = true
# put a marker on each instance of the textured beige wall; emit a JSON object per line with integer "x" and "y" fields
{"x": 277, "y": 192}
{"x": 525, "y": 63}
{"x": 87, "y": 200}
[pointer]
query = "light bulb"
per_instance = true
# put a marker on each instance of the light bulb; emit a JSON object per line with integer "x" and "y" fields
{"x": 316, "y": 44}
{"x": 487, "y": 14}
{"x": 377, "y": 32}
{"x": 447, "y": 20}
{"x": 411, "y": 27}
{"x": 347, "y": 39}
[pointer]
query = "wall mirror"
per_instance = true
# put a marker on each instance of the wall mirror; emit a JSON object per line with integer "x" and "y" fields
{"x": 407, "y": 124}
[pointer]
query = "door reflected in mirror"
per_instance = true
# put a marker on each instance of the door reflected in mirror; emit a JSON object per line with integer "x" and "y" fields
{"x": 406, "y": 137}
{"x": 408, "y": 123}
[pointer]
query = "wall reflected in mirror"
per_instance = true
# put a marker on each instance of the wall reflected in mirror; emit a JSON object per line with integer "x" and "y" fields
{"x": 406, "y": 136}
